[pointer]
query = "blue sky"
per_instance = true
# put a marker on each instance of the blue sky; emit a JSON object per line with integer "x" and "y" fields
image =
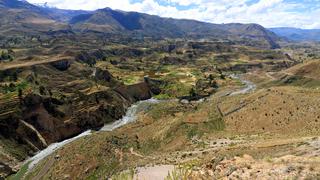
{"x": 269, "y": 13}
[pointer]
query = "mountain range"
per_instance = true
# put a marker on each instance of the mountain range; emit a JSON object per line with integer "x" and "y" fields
{"x": 297, "y": 34}
{"x": 18, "y": 17}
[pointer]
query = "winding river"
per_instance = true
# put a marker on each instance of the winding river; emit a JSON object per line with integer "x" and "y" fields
{"x": 128, "y": 118}
{"x": 248, "y": 86}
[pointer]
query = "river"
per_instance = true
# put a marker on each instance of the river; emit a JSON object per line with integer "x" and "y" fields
{"x": 129, "y": 117}
{"x": 248, "y": 86}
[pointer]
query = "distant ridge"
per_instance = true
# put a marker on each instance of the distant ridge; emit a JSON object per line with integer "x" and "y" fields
{"x": 18, "y": 17}
{"x": 297, "y": 34}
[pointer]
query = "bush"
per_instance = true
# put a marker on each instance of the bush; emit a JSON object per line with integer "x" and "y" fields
{"x": 5, "y": 56}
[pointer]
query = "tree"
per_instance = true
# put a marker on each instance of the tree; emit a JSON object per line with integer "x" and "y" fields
{"x": 192, "y": 92}
{"x": 42, "y": 90}
{"x": 20, "y": 93}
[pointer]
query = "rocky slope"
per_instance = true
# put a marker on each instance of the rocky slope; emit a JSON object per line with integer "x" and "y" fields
{"x": 32, "y": 120}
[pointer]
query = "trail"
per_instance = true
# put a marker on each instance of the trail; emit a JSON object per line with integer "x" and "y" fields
{"x": 6, "y": 66}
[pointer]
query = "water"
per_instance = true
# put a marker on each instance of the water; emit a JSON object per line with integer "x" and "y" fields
{"x": 52, "y": 148}
{"x": 130, "y": 116}
{"x": 249, "y": 86}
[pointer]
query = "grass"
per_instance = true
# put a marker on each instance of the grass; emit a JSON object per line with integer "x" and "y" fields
{"x": 105, "y": 170}
{"x": 126, "y": 175}
{"x": 183, "y": 171}
{"x": 150, "y": 146}
{"x": 162, "y": 110}
{"x": 193, "y": 131}
{"x": 15, "y": 87}
{"x": 179, "y": 173}
{"x": 215, "y": 124}
{"x": 163, "y": 96}
{"x": 21, "y": 173}
{"x": 298, "y": 81}
{"x": 177, "y": 89}
{"x": 128, "y": 80}
{"x": 15, "y": 149}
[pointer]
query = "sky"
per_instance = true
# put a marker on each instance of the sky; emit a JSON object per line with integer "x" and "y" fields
{"x": 269, "y": 13}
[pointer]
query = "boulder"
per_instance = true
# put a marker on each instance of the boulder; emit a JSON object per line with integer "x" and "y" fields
{"x": 169, "y": 60}
{"x": 86, "y": 58}
{"x": 136, "y": 92}
{"x": 5, "y": 170}
{"x": 62, "y": 65}
{"x": 154, "y": 85}
{"x": 32, "y": 100}
{"x": 103, "y": 75}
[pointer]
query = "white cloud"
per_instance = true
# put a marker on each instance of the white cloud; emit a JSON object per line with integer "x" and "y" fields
{"x": 269, "y": 13}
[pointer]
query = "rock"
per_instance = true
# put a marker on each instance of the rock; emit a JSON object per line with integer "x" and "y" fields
{"x": 87, "y": 58}
{"x": 32, "y": 100}
{"x": 103, "y": 75}
{"x": 62, "y": 65}
{"x": 289, "y": 169}
{"x": 5, "y": 170}
{"x": 172, "y": 61}
{"x": 171, "y": 47}
{"x": 184, "y": 101}
{"x": 57, "y": 156}
{"x": 154, "y": 85}
{"x": 136, "y": 92}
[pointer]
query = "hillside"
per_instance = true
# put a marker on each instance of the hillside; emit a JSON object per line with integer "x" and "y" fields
{"x": 309, "y": 69}
{"x": 22, "y": 17}
{"x": 296, "y": 34}
{"x": 17, "y": 17}
{"x": 105, "y": 20}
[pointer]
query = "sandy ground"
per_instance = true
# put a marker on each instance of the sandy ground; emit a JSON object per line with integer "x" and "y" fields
{"x": 153, "y": 173}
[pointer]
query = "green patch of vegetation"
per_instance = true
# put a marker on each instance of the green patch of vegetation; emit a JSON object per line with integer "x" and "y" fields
{"x": 196, "y": 72}
{"x": 12, "y": 87}
{"x": 179, "y": 173}
{"x": 106, "y": 170}
{"x": 177, "y": 89}
{"x": 126, "y": 175}
{"x": 15, "y": 149}
{"x": 161, "y": 110}
{"x": 128, "y": 80}
{"x": 21, "y": 173}
{"x": 215, "y": 124}
{"x": 194, "y": 131}
{"x": 163, "y": 96}
{"x": 5, "y": 55}
{"x": 150, "y": 146}
{"x": 183, "y": 171}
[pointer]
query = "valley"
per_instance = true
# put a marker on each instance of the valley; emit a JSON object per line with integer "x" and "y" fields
{"x": 109, "y": 94}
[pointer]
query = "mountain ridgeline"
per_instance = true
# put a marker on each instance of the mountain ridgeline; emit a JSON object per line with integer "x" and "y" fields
{"x": 296, "y": 34}
{"x": 20, "y": 16}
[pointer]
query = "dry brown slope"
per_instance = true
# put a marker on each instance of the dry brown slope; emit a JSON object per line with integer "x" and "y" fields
{"x": 310, "y": 69}
{"x": 285, "y": 110}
